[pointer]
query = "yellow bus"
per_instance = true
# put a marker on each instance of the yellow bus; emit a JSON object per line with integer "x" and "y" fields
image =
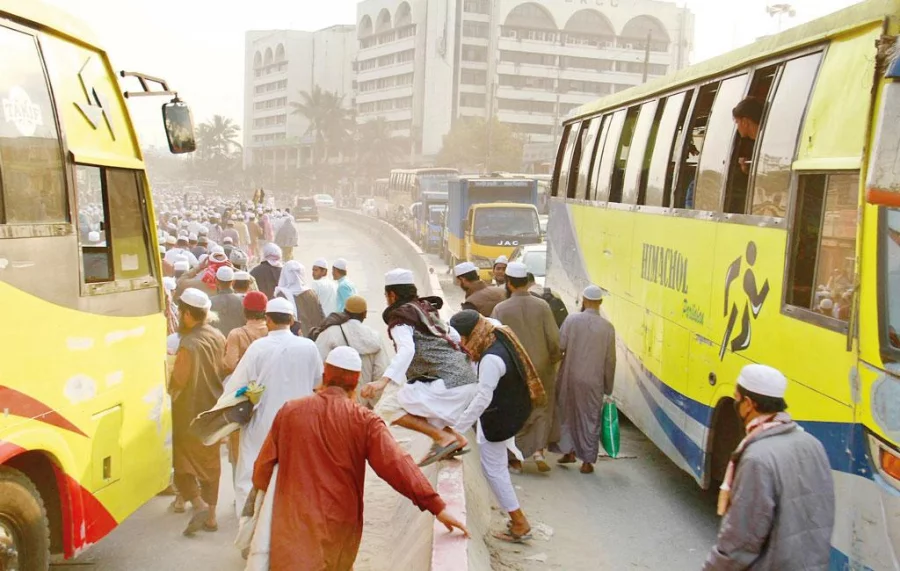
{"x": 85, "y": 434}
{"x": 719, "y": 251}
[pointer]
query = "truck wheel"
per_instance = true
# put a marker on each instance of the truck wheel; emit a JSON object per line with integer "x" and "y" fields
{"x": 24, "y": 528}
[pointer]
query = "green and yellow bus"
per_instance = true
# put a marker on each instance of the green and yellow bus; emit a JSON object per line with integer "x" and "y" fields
{"x": 85, "y": 433}
{"x": 719, "y": 251}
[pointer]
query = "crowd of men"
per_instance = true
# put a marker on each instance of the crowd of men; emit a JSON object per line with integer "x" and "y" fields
{"x": 247, "y": 325}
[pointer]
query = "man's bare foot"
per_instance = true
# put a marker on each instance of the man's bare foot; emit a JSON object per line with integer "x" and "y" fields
{"x": 587, "y": 468}
{"x": 567, "y": 459}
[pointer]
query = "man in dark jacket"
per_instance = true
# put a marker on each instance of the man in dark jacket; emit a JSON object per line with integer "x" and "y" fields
{"x": 778, "y": 496}
{"x": 479, "y": 296}
{"x": 501, "y": 406}
{"x": 268, "y": 272}
{"x": 226, "y": 304}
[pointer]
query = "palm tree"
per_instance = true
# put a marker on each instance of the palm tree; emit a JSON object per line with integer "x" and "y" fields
{"x": 378, "y": 149}
{"x": 218, "y": 137}
{"x": 330, "y": 124}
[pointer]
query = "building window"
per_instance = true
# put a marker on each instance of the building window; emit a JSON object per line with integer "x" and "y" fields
{"x": 527, "y": 82}
{"x": 472, "y": 29}
{"x": 474, "y": 53}
{"x": 472, "y": 77}
{"x": 526, "y": 106}
{"x": 477, "y": 6}
{"x": 508, "y": 56}
{"x": 591, "y": 64}
{"x": 32, "y": 181}
{"x": 472, "y": 100}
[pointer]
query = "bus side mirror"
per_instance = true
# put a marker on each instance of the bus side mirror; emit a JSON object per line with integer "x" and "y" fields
{"x": 179, "y": 127}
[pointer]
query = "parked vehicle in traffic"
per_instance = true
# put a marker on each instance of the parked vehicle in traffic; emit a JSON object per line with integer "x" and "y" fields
{"x": 324, "y": 200}
{"x": 305, "y": 208}
{"x": 534, "y": 256}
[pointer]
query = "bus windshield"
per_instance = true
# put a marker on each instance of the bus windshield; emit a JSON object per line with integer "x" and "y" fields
{"x": 506, "y": 223}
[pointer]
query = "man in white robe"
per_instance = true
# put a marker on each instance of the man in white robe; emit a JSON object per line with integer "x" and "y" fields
{"x": 289, "y": 367}
{"x": 324, "y": 287}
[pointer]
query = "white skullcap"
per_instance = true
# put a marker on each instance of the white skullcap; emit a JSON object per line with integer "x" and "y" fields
{"x": 593, "y": 293}
{"x": 217, "y": 250}
{"x": 826, "y": 304}
{"x": 93, "y": 236}
{"x": 218, "y": 257}
{"x": 242, "y": 276}
{"x": 399, "y": 276}
{"x": 321, "y": 263}
{"x": 162, "y": 249}
{"x": 225, "y": 274}
{"x": 203, "y": 230}
{"x": 182, "y": 238}
{"x": 196, "y": 298}
{"x": 517, "y": 270}
{"x": 170, "y": 284}
{"x": 170, "y": 239}
{"x": 464, "y": 268}
{"x": 344, "y": 357}
{"x": 763, "y": 380}
{"x": 228, "y": 240}
{"x": 192, "y": 237}
{"x": 181, "y": 266}
{"x": 341, "y": 264}
{"x": 281, "y": 305}
{"x": 202, "y": 258}
{"x": 502, "y": 260}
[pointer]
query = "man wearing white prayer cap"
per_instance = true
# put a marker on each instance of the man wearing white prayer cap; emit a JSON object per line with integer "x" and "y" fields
{"x": 325, "y": 288}
{"x": 181, "y": 267}
{"x": 195, "y": 386}
{"x": 289, "y": 367}
{"x": 585, "y": 380}
{"x": 479, "y": 296}
{"x": 242, "y": 282}
{"x": 228, "y": 305}
{"x": 499, "y": 270}
{"x": 777, "y": 496}
{"x": 345, "y": 288}
{"x": 531, "y": 319}
{"x": 429, "y": 382}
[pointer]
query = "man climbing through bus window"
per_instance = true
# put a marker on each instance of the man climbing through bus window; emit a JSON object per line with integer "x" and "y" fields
{"x": 747, "y": 117}
{"x": 778, "y": 495}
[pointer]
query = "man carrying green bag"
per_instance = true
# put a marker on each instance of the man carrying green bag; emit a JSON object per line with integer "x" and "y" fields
{"x": 585, "y": 381}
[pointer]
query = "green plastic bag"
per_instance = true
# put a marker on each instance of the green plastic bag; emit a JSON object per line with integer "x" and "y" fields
{"x": 609, "y": 435}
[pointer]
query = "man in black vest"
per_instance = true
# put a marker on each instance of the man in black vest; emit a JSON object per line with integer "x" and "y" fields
{"x": 502, "y": 404}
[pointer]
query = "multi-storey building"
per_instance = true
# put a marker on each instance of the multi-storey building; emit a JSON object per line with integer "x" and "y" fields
{"x": 278, "y": 66}
{"x": 423, "y": 64}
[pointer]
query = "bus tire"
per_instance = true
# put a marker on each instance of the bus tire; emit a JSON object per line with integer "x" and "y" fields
{"x": 22, "y": 514}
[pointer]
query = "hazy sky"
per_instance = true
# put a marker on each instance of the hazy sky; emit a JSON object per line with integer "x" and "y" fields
{"x": 198, "y": 45}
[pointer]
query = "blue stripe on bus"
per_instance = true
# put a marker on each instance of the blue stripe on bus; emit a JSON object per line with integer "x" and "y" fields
{"x": 844, "y": 442}
{"x": 692, "y": 453}
{"x": 838, "y": 561}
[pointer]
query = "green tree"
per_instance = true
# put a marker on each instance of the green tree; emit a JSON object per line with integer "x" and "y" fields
{"x": 475, "y": 144}
{"x": 219, "y": 155}
{"x": 378, "y": 150}
{"x": 330, "y": 125}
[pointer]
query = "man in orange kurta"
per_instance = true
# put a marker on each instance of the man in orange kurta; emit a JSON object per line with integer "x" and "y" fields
{"x": 321, "y": 444}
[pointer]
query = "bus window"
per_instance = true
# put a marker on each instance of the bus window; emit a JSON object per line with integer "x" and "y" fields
{"x": 560, "y": 154}
{"x": 621, "y": 157}
{"x": 595, "y": 167}
{"x": 588, "y": 152}
{"x": 748, "y": 116}
{"x": 112, "y": 228}
{"x": 32, "y": 181}
{"x": 690, "y": 154}
{"x": 717, "y": 145}
{"x": 772, "y": 182}
{"x": 572, "y": 139}
{"x": 608, "y": 159}
{"x": 644, "y": 130}
{"x": 823, "y": 245}
{"x": 663, "y": 159}
{"x": 575, "y": 164}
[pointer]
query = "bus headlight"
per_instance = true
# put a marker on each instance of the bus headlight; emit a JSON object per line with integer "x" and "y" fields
{"x": 482, "y": 263}
{"x": 886, "y": 459}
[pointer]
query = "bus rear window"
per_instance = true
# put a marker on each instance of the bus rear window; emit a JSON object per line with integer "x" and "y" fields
{"x": 891, "y": 260}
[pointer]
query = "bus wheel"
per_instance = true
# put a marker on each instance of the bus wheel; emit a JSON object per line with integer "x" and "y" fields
{"x": 24, "y": 528}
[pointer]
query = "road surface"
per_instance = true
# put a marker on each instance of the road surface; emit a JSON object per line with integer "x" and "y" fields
{"x": 637, "y": 512}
